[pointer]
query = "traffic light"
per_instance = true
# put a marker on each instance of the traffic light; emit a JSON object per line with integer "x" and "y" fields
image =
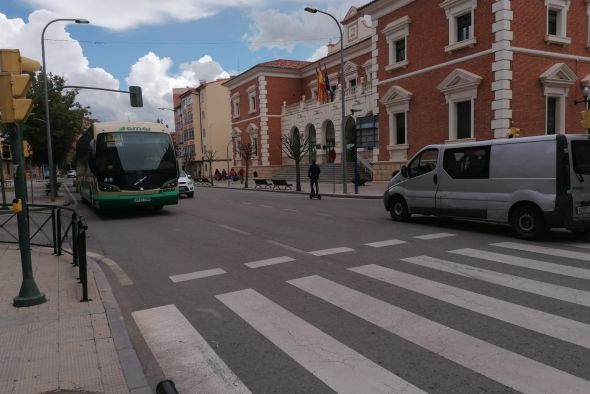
{"x": 585, "y": 119}
{"x": 514, "y": 132}
{"x": 15, "y": 81}
{"x": 135, "y": 96}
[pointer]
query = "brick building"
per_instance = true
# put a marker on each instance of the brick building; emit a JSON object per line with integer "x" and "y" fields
{"x": 421, "y": 72}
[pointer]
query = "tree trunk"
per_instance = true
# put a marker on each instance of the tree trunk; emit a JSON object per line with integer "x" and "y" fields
{"x": 246, "y": 181}
{"x": 211, "y": 173}
{"x": 297, "y": 176}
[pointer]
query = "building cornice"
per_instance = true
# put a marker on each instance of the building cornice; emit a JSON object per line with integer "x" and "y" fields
{"x": 379, "y": 8}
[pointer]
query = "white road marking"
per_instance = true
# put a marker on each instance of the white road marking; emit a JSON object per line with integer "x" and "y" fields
{"x": 197, "y": 275}
{"x": 290, "y": 210}
{"x": 390, "y": 242}
{"x": 183, "y": 354}
{"x": 338, "y": 366}
{"x": 266, "y": 206}
{"x": 531, "y": 319}
{"x": 504, "y": 366}
{"x": 544, "y": 250}
{"x": 323, "y": 214}
{"x": 516, "y": 282}
{"x": 291, "y": 248}
{"x": 267, "y": 262}
{"x": 325, "y": 252}
{"x": 121, "y": 276}
{"x": 434, "y": 236}
{"x": 538, "y": 265}
{"x": 233, "y": 229}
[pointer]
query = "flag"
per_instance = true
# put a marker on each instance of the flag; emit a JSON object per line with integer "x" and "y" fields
{"x": 321, "y": 87}
{"x": 329, "y": 91}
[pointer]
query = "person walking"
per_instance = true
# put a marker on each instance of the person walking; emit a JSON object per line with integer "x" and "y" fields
{"x": 314, "y": 175}
{"x": 241, "y": 174}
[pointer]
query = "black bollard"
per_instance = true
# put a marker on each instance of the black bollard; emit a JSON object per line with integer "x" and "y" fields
{"x": 166, "y": 387}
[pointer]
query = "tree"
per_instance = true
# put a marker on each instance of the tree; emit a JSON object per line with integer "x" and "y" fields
{"x": 295, "y": 147}
{"x": 247, "y": 153}
{"x": 66, "y": 117}
{"x": 209, "y": 156}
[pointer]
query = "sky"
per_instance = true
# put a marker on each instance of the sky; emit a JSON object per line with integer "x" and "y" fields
{"x": 162, "y": 44}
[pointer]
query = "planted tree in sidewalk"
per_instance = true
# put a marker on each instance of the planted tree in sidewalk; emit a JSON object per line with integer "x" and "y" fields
{"x": 247, "y": 153}
{"x": 295, "y": 146}
{"x": 209, "y": 156}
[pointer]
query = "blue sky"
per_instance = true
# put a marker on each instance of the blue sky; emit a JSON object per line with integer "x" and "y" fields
{"x": 159, "y": 44}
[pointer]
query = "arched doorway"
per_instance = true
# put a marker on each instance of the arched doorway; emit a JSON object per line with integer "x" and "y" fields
{"x": 312, "y": 154}
{"x": 350, "y": 134}
{"x": 330, "y": 142}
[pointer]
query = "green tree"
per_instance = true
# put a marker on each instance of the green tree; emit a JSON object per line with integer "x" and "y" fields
{"x": 295, "y": 146}
{"x": 66, "y": 117}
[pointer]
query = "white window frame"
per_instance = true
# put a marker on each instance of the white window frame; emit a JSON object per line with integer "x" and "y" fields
{"x": 251, "y": 99}
{"x": 397, "y": 30}
{"x": 562, "y": 7}
{"x": 453, "y": 10}
{"x": 588, "y": 24}
{"x": 556, "y": 81}
{"x": 235, "y": 101}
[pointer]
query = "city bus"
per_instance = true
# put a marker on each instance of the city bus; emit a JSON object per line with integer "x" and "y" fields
{"x": 122, "y": 165}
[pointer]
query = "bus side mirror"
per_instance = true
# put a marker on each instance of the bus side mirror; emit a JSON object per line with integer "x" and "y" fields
{"x": 404, "y": 171}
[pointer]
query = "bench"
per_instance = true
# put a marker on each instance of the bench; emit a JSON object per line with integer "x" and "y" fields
{"x": 262, "y": 183}
{"x": 278, "y": 183}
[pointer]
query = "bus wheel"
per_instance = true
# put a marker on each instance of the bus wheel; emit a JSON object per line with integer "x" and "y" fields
{"x": 398, "y": 209}
{"x": 527, "y": 222}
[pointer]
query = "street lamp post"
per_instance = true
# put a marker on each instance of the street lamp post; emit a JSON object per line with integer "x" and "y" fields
{"x": 52, "y": 181}
{"x": 342, "y": 136}
{"x": 227, "y": 157}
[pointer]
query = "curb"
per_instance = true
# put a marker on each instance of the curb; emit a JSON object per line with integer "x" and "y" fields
{"x": 132, "y": 368}
{"x": 350, "y": 196}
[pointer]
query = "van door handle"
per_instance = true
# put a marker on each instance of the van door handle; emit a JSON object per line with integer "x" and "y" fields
{"x": 435, "y": 179}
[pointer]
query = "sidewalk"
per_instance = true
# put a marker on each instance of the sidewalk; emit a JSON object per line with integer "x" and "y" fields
{"x": 63, "y": 345}
{"x": 371, "y": 190}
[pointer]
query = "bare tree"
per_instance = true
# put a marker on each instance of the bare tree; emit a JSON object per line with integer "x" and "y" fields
{"x": 247, "y": 153}
{"x": 295, "y": 146}
{"x": 209, "y": 156}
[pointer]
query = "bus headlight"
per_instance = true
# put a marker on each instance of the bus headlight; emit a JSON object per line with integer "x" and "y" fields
{"x": 107, "y": 187}
{"x": 171, "y": 184}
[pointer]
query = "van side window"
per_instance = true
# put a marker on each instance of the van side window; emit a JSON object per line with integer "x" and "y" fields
{"x": 423, "y": 163}
{"x": 467, "y": 163}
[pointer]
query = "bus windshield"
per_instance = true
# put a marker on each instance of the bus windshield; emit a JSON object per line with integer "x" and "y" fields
{"x": 581, "y": 157}
{"x": 134, "y": 151}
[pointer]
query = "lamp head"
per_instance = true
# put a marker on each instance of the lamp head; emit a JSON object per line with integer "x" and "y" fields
{"x": 586, "y": 91}
{"x": 311, "y": 10}
{"x": 83, "y": 21}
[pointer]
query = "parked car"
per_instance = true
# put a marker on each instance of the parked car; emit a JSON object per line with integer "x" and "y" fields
{"x": 531, "y": 183}
{"x": 71, "y": 174}
{"x": 186, "y": 185}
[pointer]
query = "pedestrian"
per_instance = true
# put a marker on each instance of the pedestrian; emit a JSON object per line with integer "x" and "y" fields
{"x": 232, "y": 174}
{"x": 314, "y": 175}
{"x": 223, "y": 175}
{"x": 217, "y": 174}
{"x": 241, "y": 174}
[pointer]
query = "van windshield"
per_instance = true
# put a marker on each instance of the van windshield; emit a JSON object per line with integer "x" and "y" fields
{"x": 581, "y": 157}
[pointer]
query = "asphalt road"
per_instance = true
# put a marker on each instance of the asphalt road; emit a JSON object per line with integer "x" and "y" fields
{"x": 237, "y": 291}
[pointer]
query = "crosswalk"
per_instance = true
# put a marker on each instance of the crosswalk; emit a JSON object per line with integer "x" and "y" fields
{"x": 343, "y": 366}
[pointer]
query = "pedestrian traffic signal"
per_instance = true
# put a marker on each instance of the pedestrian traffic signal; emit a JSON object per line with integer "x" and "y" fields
{"x": 585, "y": 119}
{"x": 15, "y": 81}
{"x": 135, "y": 96}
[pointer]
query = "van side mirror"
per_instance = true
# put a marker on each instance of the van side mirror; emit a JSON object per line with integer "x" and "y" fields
{"x": 404, "y": 171}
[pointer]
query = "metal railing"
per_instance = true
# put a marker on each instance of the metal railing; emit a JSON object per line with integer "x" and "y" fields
{"x": 51, "y": 226}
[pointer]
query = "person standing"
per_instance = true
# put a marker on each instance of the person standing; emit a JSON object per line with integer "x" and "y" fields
{"x": 314, "y": 175}
{"x": 241, "y": 174}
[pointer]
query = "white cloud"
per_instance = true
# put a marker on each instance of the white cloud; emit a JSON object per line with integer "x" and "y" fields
{"x": 319, "y": 53}
{"x": 67, "y": 59}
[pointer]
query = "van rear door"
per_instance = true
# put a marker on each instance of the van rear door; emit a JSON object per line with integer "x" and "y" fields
{"x": 580, "y": 178}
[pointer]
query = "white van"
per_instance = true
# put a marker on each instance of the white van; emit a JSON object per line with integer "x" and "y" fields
{"x": 532, "y": 183}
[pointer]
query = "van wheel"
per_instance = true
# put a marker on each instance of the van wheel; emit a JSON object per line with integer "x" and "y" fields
{"x": 398, "y": 209}
{"x": 527, "y": 222}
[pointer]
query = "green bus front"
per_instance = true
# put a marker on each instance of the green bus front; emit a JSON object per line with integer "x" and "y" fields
{"x": 130, "y": 169}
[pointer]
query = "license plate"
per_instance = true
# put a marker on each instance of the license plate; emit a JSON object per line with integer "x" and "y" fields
{"x": 581, "y": 210}
{"x": 142, "y": 199}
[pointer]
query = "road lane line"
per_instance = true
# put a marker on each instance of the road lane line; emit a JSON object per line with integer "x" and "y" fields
{"x": 326, "y": 252}
{"x": 538, "y": 265}
{"x": 197, "y": 275}
{"x": 562, "y": 293}
{"x": 542, "y": 322}
{"x": 267, "y": 262}
{"x": 503, "y": 366}
{"x": 323, "y": 214}
{"x": 290, "y": 210}
{"x": 544, "y": 250}
{"x": 183, "y": 354}
{"x": 233, "y": 229}
{"x": 291, "y": 248}
{"x": 335, "y": 364}
{"x": 266, "y": 206}
{"x": 427, "y": 237}
{"x": 119, "y": 273}
{"x": 389, "y": 242}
